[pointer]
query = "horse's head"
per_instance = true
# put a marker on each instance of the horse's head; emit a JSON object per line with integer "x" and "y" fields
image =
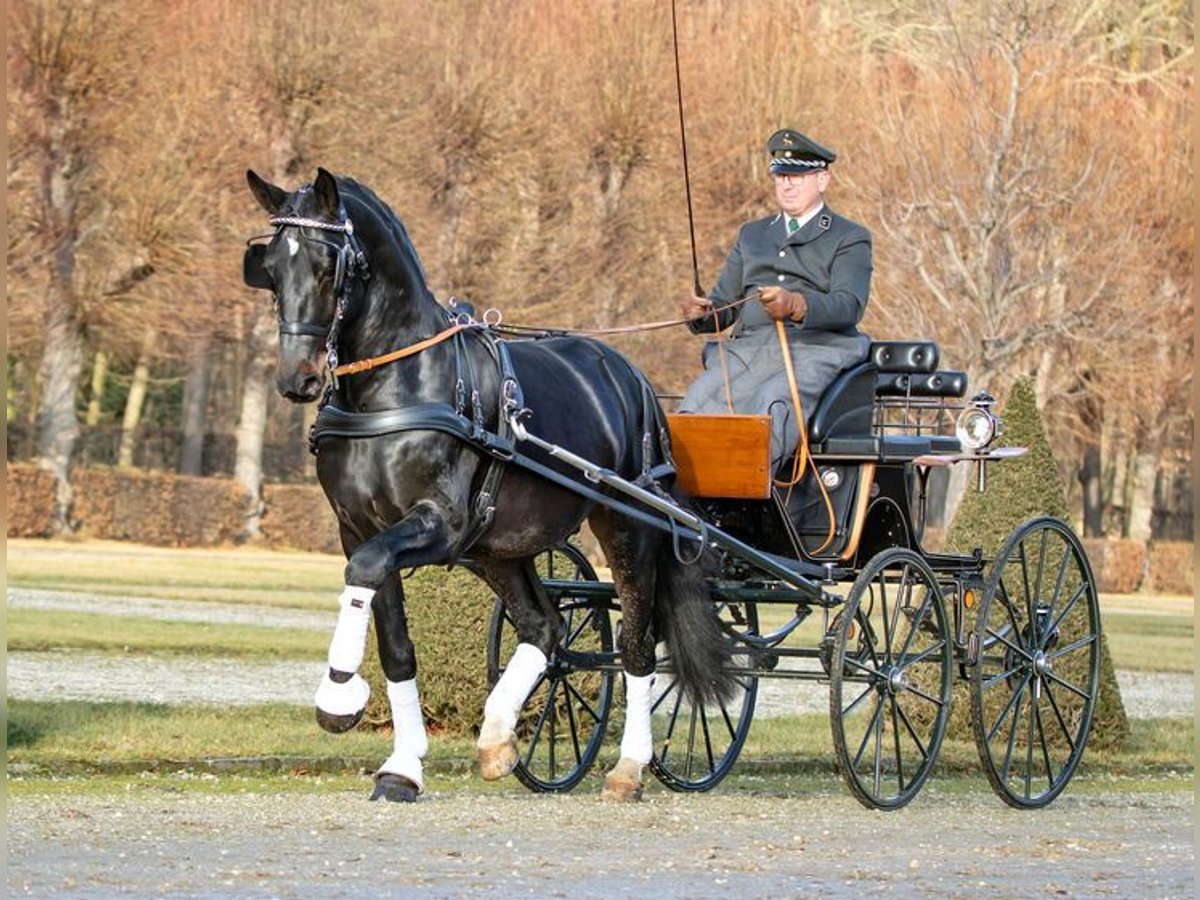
{"x": 307, "y": 266}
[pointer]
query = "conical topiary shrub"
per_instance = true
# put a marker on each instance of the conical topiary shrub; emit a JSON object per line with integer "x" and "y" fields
{"x": 1017, "y": 490}
{"x": 448, "y": 616}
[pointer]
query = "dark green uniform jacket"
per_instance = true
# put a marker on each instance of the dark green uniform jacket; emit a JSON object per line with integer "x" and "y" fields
{"x": 828, "y": 260}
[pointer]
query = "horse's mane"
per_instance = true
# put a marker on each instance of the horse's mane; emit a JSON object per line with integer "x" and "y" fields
{"x": 387, "y": 216}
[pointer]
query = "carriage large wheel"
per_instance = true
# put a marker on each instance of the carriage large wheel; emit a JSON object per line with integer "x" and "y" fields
{"x": 890, "y": 679}
{"x": 1033, "y": 690}
{"x": 696, "y": 744}
{"x": 563, "y": 722}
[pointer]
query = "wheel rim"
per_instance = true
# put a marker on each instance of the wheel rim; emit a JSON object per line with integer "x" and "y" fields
{"x": 696, "y": 745}
{"x": 562, "y": 724}
{"x": 1035, "y": 684}
{"x": 890, "y": 680}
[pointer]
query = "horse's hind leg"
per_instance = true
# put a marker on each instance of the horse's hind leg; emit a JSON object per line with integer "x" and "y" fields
{"x": 538, "y": 626}
{"x": 632, "y": 553}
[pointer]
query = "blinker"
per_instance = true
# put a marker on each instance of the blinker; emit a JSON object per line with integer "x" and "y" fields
{"x": 254, "y": 270}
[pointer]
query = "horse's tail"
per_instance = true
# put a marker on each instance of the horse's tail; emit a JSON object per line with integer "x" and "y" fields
{"x": 688, "y": 622}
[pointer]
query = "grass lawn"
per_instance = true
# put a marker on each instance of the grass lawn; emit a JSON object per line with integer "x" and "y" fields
{"x": 30, "y": 629}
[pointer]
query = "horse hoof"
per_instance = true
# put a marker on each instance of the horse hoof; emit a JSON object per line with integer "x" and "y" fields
{"x": 624, "y": 783}
{"x": 620, "y": 789}
{"x": 394, "y": 788}
{"x": 496, "y": 762}
{"x": 335, "y": 724}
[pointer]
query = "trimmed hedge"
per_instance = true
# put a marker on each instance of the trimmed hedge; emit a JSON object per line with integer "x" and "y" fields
{"x": 157, "y": 508}
{"x": 1171, "y": 567}
{"x": 29, "y": 500}
{"x": 299, "y": 516}
{"x": 1119, "y": 564}
{"x": 448, "y": 617}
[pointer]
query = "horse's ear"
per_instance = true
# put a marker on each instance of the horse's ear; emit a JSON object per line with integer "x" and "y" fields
{"x": 269, "y": 196}
{"x": 326, "y": 191}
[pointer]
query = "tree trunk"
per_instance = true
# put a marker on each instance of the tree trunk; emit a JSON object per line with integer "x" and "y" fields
{"x": 1093, "y": 493}
{"x": 133, "y": 407}
{"x": 195, "y": 408}
{"x": 99, "y": 377}
{"x": 57, "y": 421}
{"x": 1141, "y": 501}
{"x": 248, "y": 463}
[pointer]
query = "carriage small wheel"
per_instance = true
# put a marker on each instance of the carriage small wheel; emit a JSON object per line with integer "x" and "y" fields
{"x": 562, "y": 727}
{"x": 1035, "y": 683}
{"x": 890, "y": 679}
{"x": 696, "y": 744}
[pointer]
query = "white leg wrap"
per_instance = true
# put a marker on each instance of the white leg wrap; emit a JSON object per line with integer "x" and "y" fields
{"x": 342, "y": 699}
{"x": 637, "y": 742}
{"x": 510, "y": 693}
{"x": 411, "y": 742}
{"x": 350, "y": 635}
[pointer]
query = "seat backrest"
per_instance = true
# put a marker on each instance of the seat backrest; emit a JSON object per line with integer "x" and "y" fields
{"x": 846, "y": 406}
{"x": 904, "y": 356}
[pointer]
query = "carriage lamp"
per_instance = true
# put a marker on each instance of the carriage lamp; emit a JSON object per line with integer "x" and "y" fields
{"x": 977, "y": 425}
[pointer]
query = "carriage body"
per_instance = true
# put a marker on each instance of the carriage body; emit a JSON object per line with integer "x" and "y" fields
{"x": 868, "y": 599}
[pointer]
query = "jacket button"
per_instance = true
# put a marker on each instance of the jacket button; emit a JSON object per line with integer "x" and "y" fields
{"x": 781, "y": 253}
{"x": 781, "y": 278}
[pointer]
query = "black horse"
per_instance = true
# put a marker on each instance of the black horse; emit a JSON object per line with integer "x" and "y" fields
{"x": 412, "y": 445}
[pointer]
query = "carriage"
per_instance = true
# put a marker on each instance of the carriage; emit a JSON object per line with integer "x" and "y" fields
{"x": 861, "y": 606}
{"x": 483, "y": 446}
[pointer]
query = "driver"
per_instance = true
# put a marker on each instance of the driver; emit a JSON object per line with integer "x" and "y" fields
{"x": 805, "y": 266}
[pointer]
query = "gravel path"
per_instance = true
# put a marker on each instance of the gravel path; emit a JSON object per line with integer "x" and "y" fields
{"x": 816, "y": 842}
{"x": 78, "y": 675}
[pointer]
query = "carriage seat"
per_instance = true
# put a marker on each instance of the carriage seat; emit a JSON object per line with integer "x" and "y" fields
{"x": 843, "y": 421}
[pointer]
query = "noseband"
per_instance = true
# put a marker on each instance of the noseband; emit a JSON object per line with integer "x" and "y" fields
{"x": 351, "y": 261}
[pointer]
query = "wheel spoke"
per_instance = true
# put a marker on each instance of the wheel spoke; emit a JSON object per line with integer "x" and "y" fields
{"x": 1074, "y": 645}
{"x": 917, "y": 621}
{"x": 857, "y": 700}
{"x": 879, "y": 747}
{"x": 856, "y": 664}
{"x": 1016, "y": 695}
{"x": 908, "y": 726}
{"x": 1003, "y": 675}
{"x": 1079, "y": 592}
{"x": 1005, "y": 600}
{"x": 1058, "y": 586}
{"x": 691, "y": 744}
{"x": 908, "y": 663}
{"x": 1062, "y": 722}
{"x": 887, "y": 634}
{"x": 1025, "y": 581}
{"x": 870, "y": 730}
{"x": 1033, "y": 705}
{"x": 582, "y": 701}
{"x": 896, "y": 736}
{"x": 1012, "y": 734}
{"x": 1011, "y": 645}
{"x": 936, "y": 701}
{"x": 541, "y": 721}
{"x": 708, "y": 744}
{"x": 574, "y": 726}
{"x": 1070, "y": 687}
{"x": 663, "y": 696}
{"x": 1045, "y": 750}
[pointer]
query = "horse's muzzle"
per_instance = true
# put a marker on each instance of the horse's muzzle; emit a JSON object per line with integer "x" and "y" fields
{"x": 304, "y": 387}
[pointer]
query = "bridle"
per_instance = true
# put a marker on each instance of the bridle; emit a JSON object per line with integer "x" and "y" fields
{"x": 351, "y": 263}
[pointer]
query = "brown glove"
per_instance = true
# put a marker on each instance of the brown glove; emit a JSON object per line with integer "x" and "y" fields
{"x": 782, "y": 304}
{"x": 694, "y": 307}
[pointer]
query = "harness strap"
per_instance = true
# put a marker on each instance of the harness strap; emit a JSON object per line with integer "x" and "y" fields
{"x": 374, "y": 362}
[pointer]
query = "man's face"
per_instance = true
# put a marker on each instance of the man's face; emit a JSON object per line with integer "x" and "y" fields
{"x": 798, "y": 193}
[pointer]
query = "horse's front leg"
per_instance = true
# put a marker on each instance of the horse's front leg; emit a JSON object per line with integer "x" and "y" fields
{"x": 401, "y": 777}
{"x": 341, "y": 698}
